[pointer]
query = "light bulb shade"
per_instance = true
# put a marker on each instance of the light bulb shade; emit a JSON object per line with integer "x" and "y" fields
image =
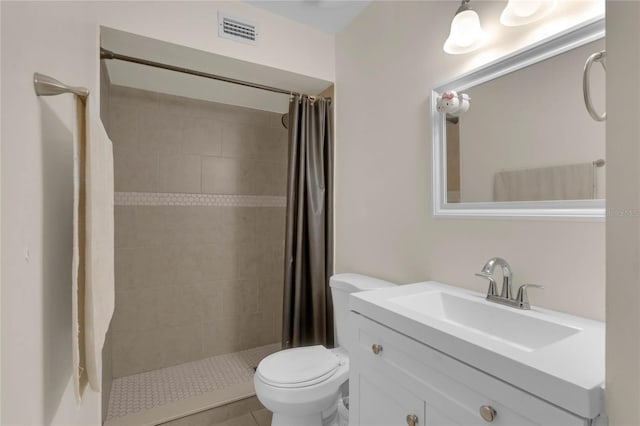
{"x": 522, "y": 12}
{"x": 466, "y": 33}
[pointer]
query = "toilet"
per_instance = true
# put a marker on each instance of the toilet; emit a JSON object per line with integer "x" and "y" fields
{"x": 302, "y": 386}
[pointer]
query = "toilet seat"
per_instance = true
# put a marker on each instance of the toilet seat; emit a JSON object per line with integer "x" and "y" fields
{"x": 299, "y": 367}
{"x": 308, "y": 397}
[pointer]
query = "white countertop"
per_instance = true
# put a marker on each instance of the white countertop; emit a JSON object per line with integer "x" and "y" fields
{"x": 569, "y": 373}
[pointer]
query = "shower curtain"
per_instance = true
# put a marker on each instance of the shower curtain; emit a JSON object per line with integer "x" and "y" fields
{"x": 307, "y": 310}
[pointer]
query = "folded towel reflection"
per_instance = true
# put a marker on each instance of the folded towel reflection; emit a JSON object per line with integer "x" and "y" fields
{"x": 566, "y": 182}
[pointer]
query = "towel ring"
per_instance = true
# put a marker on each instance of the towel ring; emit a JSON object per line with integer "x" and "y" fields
{"x": 586, "y": 78}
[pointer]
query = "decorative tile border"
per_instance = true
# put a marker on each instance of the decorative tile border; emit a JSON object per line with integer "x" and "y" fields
{"x": 183, "y": 199}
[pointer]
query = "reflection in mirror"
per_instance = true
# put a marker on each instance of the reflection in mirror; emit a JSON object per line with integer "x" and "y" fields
{"x": 453, "y": 159}
{"x": 513, "y": 138}
{"x": 528, "y": 137}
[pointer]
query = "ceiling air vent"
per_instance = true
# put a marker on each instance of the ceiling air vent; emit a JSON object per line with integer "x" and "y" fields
{"x": 237, "y": 29}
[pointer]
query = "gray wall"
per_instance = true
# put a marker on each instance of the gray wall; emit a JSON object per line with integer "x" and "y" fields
{"x": 194, "y": 281}
{"x": 623, "y": 209}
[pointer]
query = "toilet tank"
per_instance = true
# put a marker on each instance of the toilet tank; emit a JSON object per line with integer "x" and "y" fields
{"x": 342, "y": 285}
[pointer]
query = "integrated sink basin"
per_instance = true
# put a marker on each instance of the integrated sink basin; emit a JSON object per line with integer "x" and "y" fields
{"x": 555, "y": 356}
{"x": 491, "y": 320}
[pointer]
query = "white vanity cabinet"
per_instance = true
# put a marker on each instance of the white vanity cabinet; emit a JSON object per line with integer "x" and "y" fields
{"x": 396, "y": 380}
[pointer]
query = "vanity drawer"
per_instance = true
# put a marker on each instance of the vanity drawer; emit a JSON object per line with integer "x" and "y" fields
{"x": 454, "y": 392}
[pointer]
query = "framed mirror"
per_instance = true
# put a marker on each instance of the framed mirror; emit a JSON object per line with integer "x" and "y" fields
{"x": 514, "y": 139}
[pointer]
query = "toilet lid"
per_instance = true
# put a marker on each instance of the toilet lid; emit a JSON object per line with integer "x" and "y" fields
{"x": 298, "y": 367}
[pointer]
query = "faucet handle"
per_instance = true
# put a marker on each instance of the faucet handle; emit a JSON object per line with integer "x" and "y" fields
{"x": 493, "y": 289}
{"x": 522, "y": 297}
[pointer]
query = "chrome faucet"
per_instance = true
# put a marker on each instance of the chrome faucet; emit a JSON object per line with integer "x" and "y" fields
{"x": 507, "y": 276}
{"x": 521, "y": 300}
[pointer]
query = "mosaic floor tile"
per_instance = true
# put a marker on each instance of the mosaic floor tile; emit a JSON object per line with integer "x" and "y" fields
{"x": 143, "y": 391}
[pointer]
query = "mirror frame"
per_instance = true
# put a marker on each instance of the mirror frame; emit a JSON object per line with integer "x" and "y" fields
{"x": 574, "y": 37}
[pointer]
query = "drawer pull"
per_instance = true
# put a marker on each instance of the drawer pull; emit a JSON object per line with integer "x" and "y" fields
{"x": 376, "y": 348}
{"x": 412, "y": 419}
{"x": 488, "y": 413}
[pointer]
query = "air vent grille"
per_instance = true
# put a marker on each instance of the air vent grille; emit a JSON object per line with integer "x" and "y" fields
{"x": 237, "y": 29}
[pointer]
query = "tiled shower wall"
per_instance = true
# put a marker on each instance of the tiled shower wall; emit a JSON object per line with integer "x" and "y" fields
{"x": 193, "y": 281}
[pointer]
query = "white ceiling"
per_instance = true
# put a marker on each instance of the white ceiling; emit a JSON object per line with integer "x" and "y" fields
{"x": 329, "y": 16}
{"x": 175, "y": 83}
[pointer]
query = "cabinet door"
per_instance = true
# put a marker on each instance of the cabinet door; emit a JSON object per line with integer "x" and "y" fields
{"x": 453, "y": 392}
{"x": 382, "y": 402}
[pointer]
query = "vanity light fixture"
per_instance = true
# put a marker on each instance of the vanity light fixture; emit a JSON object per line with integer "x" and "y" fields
{"x": 522, "y": 12}
{"x": 466, "y": 34}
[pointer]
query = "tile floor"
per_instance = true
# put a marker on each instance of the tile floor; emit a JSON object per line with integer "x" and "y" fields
{"x": 256, "y": 418}
{"x": 224, "y": 413}
{"x": 144, "y": 391}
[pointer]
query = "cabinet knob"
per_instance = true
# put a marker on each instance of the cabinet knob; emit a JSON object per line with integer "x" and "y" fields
{"x": 488, "y": 413}
{"x": 376, "y": 348}
{"x": 412, "y": 419}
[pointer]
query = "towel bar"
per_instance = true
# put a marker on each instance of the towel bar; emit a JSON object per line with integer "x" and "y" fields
{"x": 49, "y": 86}
{"x": 596, "y": 57}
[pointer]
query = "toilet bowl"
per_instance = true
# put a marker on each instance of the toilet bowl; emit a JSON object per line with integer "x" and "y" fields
{"x": 302, "y": 386}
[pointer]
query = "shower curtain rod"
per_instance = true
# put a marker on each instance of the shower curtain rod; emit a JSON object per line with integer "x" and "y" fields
{"x": 107, "y": 54}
